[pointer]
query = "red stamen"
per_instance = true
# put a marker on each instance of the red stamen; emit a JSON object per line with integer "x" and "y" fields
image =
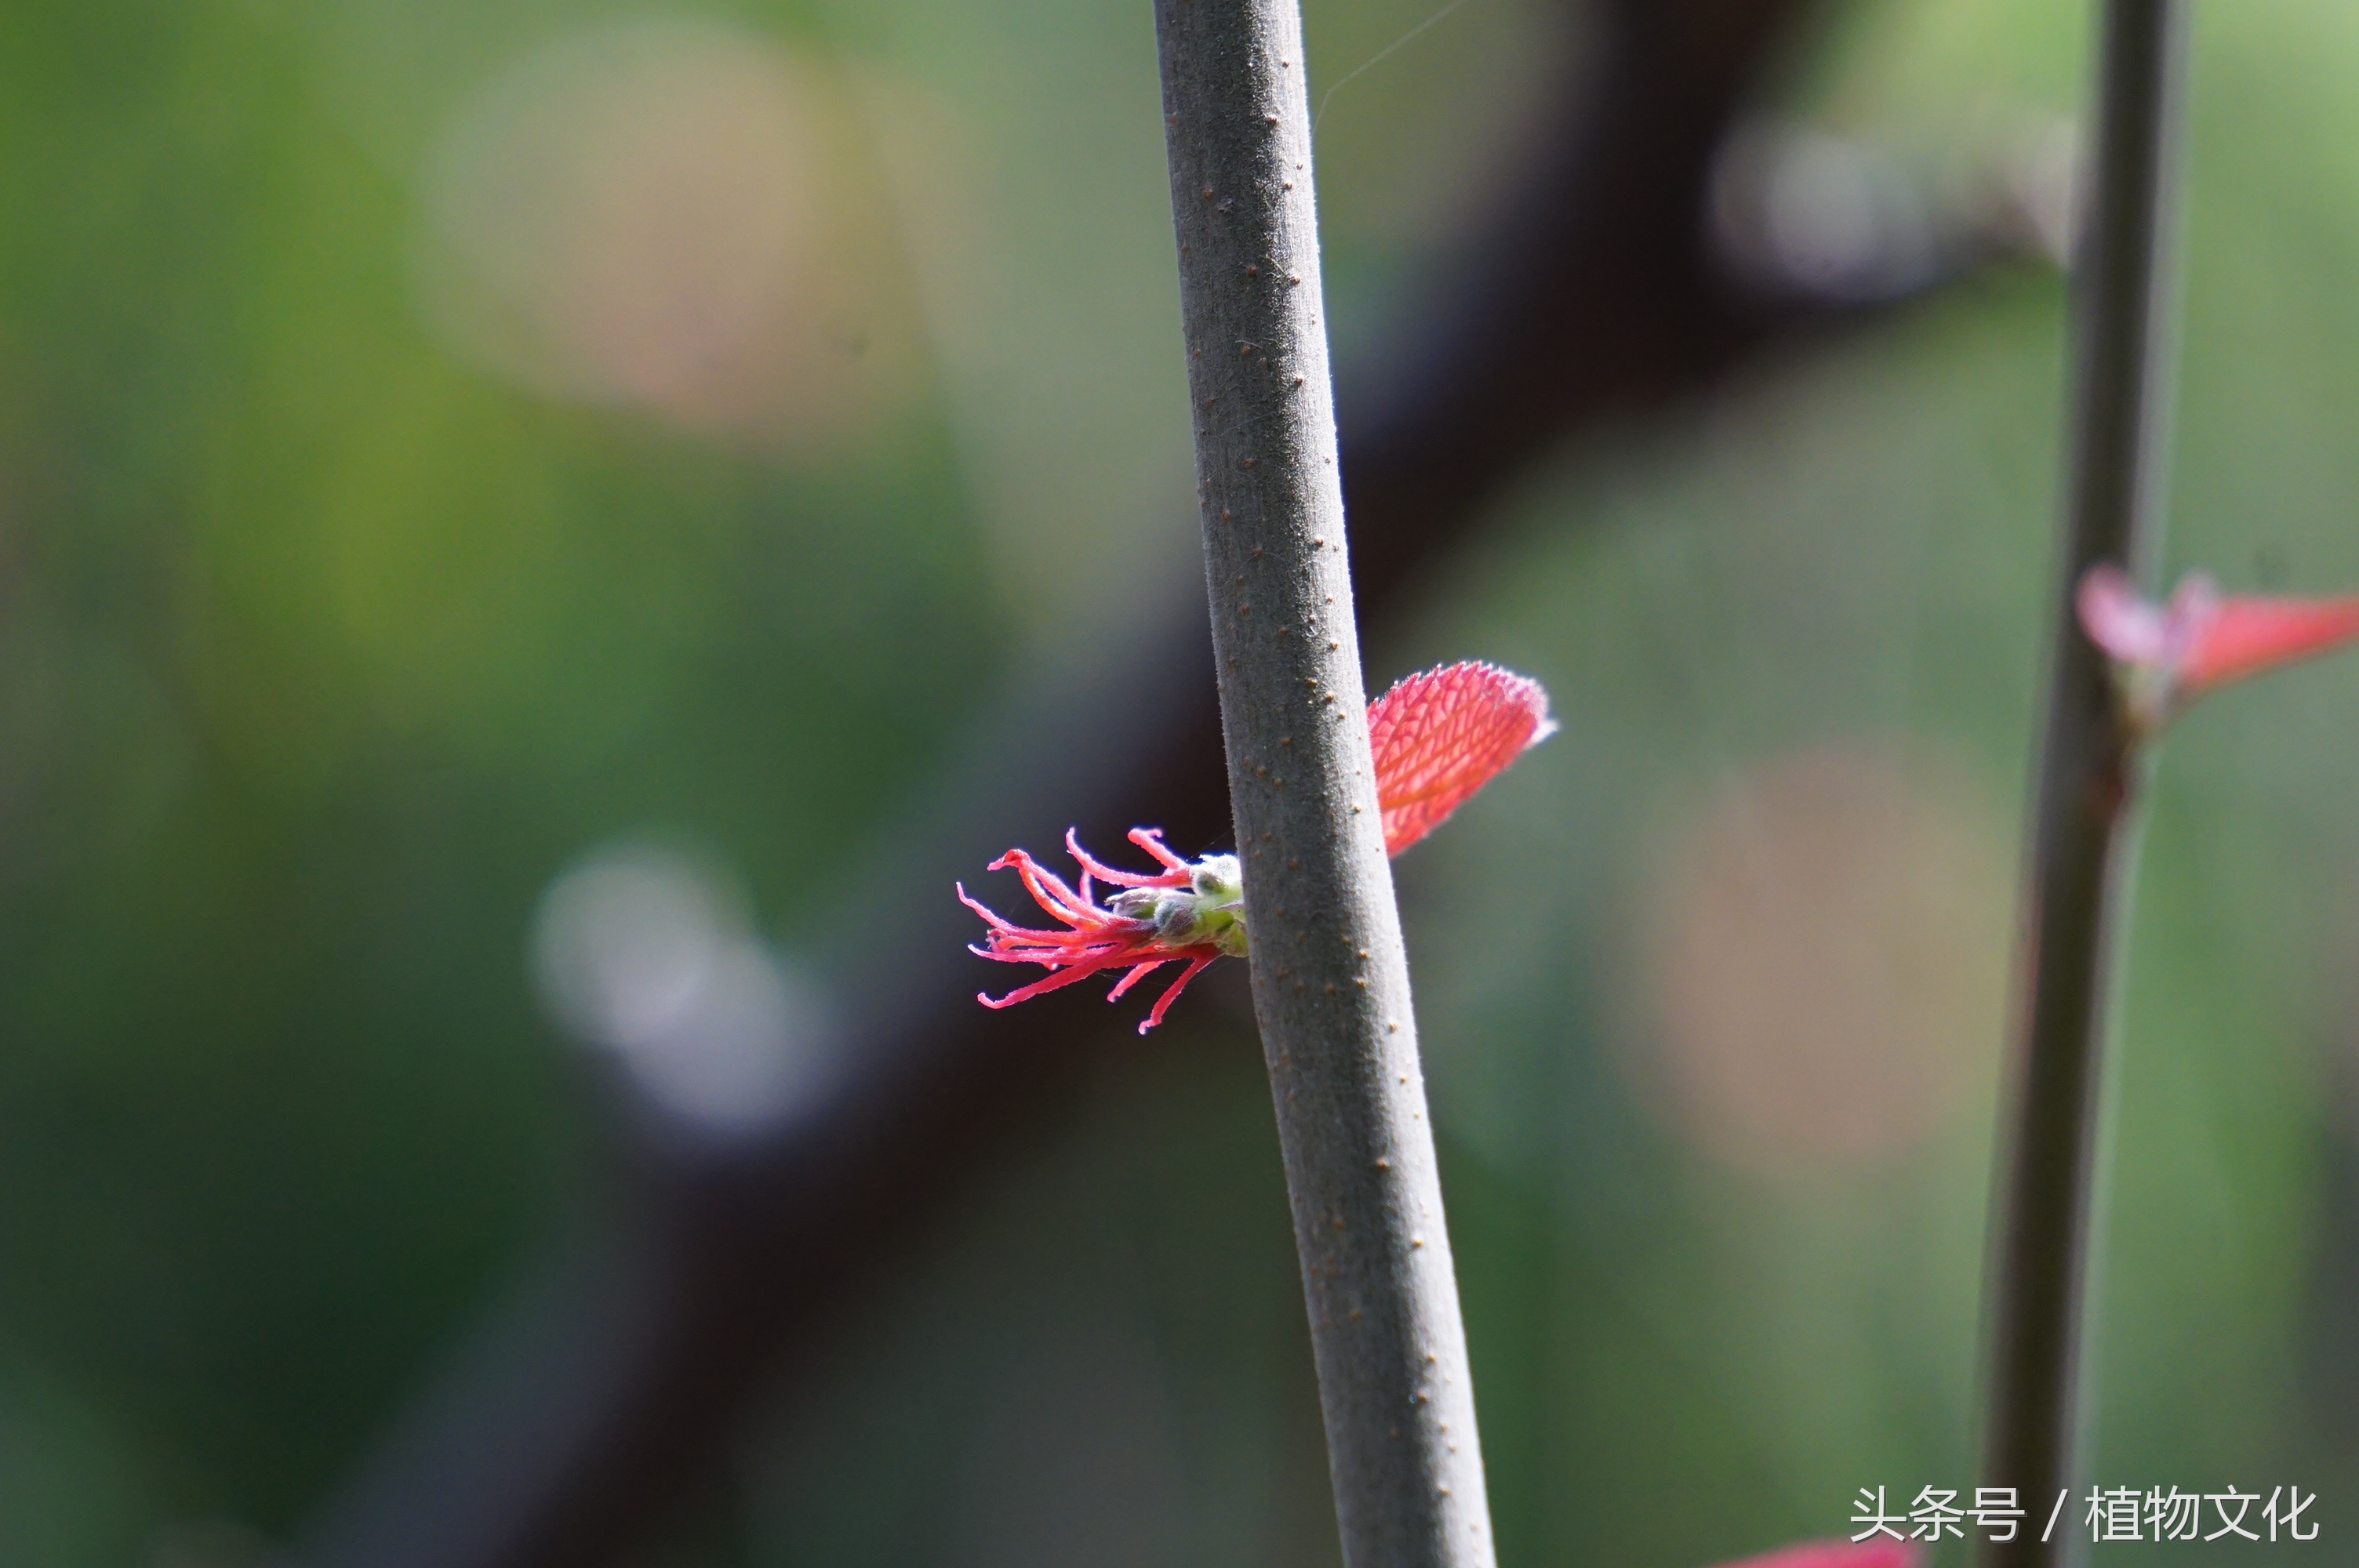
{"x": 1057, "y": 981}
{"x": 1049, "y": 890}
{"x": 1163, "y": 1003}
{"x": 1151, "y": 841}
{"x": 1122, "y": 879}
{"x": 1132, "y": 977}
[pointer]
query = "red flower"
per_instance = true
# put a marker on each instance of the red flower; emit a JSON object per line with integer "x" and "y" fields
{"x": 2172, "y": 653}
{"x": 1195, "y": 913}
{"x": 1437, "y": 737}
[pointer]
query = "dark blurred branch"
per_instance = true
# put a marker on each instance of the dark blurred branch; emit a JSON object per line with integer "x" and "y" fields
{"x": 1593, "y": 288}
{"x": 2082, "y": 817}
{"x": 573, "y": 1423}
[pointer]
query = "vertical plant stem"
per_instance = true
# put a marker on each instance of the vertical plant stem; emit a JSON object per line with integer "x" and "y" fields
{"x": 1330, "y": 981}
{"x": 2122, "y": 309}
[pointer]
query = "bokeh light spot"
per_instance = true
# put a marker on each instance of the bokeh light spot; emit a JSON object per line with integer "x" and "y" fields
{"x": 1825, "y": 961}
{"x": 666, "y": 216}
{"x": 643, "y": 952}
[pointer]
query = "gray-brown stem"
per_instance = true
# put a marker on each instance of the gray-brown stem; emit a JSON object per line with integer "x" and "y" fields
{"x": 1330, "y": 981}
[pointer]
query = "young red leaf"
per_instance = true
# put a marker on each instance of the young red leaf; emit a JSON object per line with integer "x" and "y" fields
{"x": 2249, "y": 633}
{"x": 1881, "y": 1553}
{"x": 1441, "y": 736}
{"x": 2171, "y": 653}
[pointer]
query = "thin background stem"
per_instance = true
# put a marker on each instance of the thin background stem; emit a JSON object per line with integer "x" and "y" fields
{"x": 2078, "y": 894}
{"x": 1329, "y": 978}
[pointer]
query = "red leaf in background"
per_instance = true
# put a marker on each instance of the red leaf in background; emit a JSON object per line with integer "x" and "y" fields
{"x": 2248, "y": 634}
{"x": 1441, "y": 736}
{"x": 1881, "y": 1553}
{"x": 2178, "y": 651}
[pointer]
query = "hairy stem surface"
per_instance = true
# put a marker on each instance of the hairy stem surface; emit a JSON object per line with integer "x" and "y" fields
{"x": 1330, "y": 981}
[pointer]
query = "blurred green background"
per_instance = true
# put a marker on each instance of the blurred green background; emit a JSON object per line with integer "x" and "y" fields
{"x": 438, "y": 439}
